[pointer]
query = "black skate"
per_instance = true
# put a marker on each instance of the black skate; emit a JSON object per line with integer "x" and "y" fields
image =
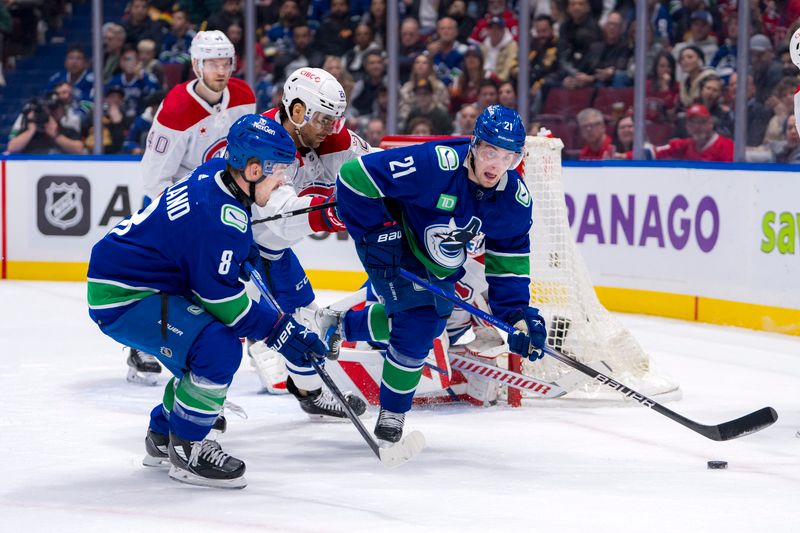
{"x": 155, "y": 445}
{"x": 142, "y": 368}
{"x": 389, "y": 427}
{"x": 204, "y": 463}
{"x": 323, "y": 405}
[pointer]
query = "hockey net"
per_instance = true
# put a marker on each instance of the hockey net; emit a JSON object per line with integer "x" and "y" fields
{"x": 561, "y": 288}
{"x": 578, "y": 324}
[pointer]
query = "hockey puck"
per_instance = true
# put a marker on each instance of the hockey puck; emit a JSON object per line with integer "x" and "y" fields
{"x": 717, "y": 465}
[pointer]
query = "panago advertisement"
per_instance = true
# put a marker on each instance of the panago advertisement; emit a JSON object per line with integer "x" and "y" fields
{"x": 711, "y": 242}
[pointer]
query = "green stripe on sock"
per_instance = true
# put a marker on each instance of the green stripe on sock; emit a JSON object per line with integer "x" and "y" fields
{"x": 199, "y": 397}
{"x": 356, "y": 178}
{"x": 519, "y": 265}
{"x": 168, "y": 401}
{"x": 378, "y": 323}
{"x": 399, "y": 379}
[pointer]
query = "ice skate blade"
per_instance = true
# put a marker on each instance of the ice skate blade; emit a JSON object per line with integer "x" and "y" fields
{"x": 151, "y": 461}
{"x": 181, "y": 475}
{"x": 142, "y": 378}
{"x": 401, "y": 452}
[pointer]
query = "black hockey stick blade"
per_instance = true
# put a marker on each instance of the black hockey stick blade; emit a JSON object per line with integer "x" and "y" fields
{"x": 745, "y": 425}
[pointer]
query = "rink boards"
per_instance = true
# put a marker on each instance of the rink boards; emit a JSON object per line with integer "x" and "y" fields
{"x": 715, "y": 243}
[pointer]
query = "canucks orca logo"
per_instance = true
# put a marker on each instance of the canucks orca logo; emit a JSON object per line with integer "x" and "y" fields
{"x": 446, "y": 244}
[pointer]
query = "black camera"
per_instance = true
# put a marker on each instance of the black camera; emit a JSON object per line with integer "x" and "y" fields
{"x": 41, "y": 109}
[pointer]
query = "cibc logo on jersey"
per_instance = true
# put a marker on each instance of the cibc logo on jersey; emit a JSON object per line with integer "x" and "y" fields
{"x": 217, "y": 149}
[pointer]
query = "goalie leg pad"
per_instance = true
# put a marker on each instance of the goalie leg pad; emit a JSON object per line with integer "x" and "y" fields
{"x": 269, "y": 367}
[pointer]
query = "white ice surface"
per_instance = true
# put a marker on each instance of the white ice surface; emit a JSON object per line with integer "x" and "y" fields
{"x": 72, "y": 430}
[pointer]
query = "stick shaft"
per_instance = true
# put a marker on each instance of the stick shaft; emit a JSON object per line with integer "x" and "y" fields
{"x": 296, "y": 212}
{"x": 326, "y": 378}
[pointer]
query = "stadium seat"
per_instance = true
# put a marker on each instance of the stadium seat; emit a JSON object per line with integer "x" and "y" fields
{"x": 606, "y": 98}
{"x": 562, "y": 127}
{"x": 173, "y": 74}
{"x": 567, "y": 102}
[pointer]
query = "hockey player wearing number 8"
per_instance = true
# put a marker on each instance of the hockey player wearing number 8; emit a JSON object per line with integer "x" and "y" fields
{"x": 167, "y": 281}
{"x": 417, "y": 208}
{"x": 189, "y": 129}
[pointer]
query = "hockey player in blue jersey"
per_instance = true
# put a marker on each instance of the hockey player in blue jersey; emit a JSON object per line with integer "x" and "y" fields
{"x": 418, "y": 207}
{"x": 167, "y": 281}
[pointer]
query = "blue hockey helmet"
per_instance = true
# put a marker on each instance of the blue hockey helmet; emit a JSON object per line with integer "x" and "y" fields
{"x": 256, "y": 136}
{"x": 501, "y": 127}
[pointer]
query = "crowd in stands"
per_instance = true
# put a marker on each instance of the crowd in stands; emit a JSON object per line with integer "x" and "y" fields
{"x": 456, "y": 57}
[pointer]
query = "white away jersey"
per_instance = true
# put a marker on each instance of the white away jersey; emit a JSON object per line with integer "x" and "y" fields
{"x": 187, "y": 132}
{"x": 315, "y": 181}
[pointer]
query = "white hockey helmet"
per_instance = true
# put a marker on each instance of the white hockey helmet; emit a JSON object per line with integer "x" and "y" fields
{"x": 210, "y": 45}
{"x": 794, "y": 48}
{"x": 319, "y": 91}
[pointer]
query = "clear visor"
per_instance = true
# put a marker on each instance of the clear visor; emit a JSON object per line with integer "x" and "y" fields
{"x": 495, "y": 156}
{"x": 280, "y": 170}
{"x": 217, "y": 64}
{"x": 325, "y": 121}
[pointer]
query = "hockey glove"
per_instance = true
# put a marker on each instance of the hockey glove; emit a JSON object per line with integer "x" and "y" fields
{"x": 325, "y": 219}
{"x": 297, "y": 344}
{"x": 382, "y": 251}
{"x": 531, "y": 333}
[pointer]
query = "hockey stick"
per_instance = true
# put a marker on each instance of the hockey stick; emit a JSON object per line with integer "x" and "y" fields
{"x": 395, "y": 455}
{"x": 296, "y": 212}
{"x": 732, "y": 429}
{"x": 505, "y": 377}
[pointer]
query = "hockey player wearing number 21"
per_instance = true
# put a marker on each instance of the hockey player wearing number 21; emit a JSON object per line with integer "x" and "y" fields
{"x": 167, "y": 281}
{"x": 417, "y": 208}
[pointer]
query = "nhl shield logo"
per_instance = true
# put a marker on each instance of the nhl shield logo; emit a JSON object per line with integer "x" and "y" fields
{"x": 63, "y": 205}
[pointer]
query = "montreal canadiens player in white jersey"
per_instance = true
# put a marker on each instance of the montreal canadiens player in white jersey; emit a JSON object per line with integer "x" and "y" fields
{"x": 189, "y": 129}
{"x": 167, "y": 280}
{"x": 311, "y": 110}
{"x": 417, "y": 208}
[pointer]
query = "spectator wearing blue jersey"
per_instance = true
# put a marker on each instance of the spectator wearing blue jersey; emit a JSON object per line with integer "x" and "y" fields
{"x": 177, "y": 42}
{"x": 168, "y": 281}
{"x": 76, "y": 72}
{"x": 135, "y": 82}
{"x": 447, "y": 52}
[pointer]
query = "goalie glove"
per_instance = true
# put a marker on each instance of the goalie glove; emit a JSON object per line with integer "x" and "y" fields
{"x": 531, "y": 333}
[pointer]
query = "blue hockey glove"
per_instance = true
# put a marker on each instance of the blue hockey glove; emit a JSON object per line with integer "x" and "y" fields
{"x": 382, "y": 251}
{"x": 297, "y": 344}
{"x": 531, "y": 333}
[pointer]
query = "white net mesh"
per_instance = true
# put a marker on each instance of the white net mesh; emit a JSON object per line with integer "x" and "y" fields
{"x": 578, "y": 323}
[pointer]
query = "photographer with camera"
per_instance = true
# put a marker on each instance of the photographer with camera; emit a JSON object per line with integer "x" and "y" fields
{"x": 39, "y": 130}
